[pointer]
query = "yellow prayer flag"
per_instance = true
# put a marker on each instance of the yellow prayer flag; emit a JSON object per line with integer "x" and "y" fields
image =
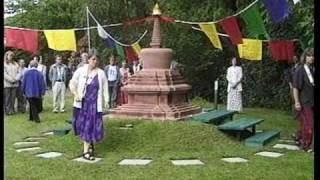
{"x": 211, "y": 32}
{"x": 61, "y": 40}
{"x": 250, "y": 49}
{"x": 136, "y": 47}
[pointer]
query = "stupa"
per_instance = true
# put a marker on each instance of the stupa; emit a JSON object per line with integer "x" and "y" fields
{"x": 156, "y": 92}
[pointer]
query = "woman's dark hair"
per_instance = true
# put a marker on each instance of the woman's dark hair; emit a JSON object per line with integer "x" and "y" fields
{"x": 237, "y": 61}
{"x": 307, "y": 52}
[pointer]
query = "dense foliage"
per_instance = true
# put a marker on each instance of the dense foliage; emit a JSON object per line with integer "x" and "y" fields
{"x": 264, "y": 82}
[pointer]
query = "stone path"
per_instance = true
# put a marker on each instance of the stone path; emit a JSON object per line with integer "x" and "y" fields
{"x": 234, "y": 160}
{"x": 28, "y": 149}
{"x": 26, "y": 143}
{"x": 187, "y": 162}
{"x": 287, "y": 146}
{"x": 81, "y": 159}
{"x": 135, "y": 162}
{"x": 49, "y": 155}
{"x": 269, "y": 154}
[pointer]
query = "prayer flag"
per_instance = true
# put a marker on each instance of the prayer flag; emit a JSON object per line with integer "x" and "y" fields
{"x": 131, "y": 56}
{"x": 282, "y": 50}
{"x": 21, "y": 39}
{"x": 106, "y": 37}
{"x": 166, "y": 19}
{"x": 250, "y": 49}
{"x": 136, "y": 47}
{"x": 211, "y": 32}
{"x": 61, "y": 40}
{"x": 253, "y": 21}
{"x": 277, "y": 9}
{"x": 120, "y": 51}
{"x": 230, "y": 26}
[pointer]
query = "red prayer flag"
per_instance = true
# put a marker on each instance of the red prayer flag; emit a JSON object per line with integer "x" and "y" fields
{"x": 282, "y": 50}
{"x": 21, "y": 39}
{"x": 131, "y": 55}
{"x": 230, "y": 26}
{"x": 166, "y": 19}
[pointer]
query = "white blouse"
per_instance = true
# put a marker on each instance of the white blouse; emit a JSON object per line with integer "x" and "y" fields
{"x": 80, "y": 80}
{"x": 234, "y": 75}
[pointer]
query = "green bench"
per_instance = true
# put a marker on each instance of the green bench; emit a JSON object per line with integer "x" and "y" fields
{"x": 215, "y": 116}
{"x": 241, "y": 125}
{"x": 260, "y": 139}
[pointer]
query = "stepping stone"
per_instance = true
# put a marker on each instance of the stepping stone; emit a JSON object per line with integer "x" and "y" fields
{"x": 286, "y": 141}
{"x": 28, "y": 149}
{"x": 125, "y": 128}
{"x": 25, "y": 143}
{"x": 34, "y": 138}
{"x": 134, "y": 162}
{"x": 234, "y": 160}
{"x": 187, "y": 162}
{"x": 269, "y": 154}
{"x": 286, "y": 146}
{"x": 48, "y": 133}
{"x": 49, "y": 155}
{"x": 81, "y": 159}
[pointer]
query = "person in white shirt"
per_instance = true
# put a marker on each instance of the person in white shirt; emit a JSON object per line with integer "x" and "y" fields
{"x": 22, "y": 101}
{"x": 114, "y": 80}
{"x": 43, "y": 69}
{"x": 234, "y": 77}
{"x": 89, "y": 86}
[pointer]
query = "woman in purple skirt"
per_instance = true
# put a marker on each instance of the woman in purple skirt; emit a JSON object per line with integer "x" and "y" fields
{"x": 89, "y": 86}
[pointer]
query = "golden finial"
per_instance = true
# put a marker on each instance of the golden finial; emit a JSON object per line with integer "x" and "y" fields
{"x": 156, "y": 10}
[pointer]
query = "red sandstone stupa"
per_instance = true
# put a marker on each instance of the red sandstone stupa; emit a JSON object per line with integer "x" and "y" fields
{"x": 156, "y": 92}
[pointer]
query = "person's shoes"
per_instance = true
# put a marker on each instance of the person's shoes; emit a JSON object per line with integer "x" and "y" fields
{"x": 62, "y": 111}
{"x": 55, "y": 111}
{"x": 88, "y": 156}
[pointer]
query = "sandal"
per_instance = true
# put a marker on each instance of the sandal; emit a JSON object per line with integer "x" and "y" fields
{"x": 88, "y": 156}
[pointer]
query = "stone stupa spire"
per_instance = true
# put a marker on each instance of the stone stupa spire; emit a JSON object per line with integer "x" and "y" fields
{"x": 156, "y": 33}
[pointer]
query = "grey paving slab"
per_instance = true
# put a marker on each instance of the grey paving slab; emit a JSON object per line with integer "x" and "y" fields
{"x": 49, "y": 155}
{"x": 25, "y": 143}
{"x": 135, "y": 162}
{"x": 286, "y": 146}
{"x": 28, "y": 149}
{"x": 187, "y": 162}
{"x": 235, "y": 160}
{"x": 269, "y": 154}
{"x": 81, "y": 159}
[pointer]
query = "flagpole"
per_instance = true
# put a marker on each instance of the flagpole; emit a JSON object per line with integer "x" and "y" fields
{"x": 88, "y": 30}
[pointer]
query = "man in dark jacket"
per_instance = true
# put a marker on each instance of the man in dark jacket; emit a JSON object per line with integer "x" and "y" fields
{"x": 33, "y": 87}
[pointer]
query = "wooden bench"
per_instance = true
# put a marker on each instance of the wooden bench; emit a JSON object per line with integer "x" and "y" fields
{"x": 215, "y": 117}
{"x": 260, "y": 139}
{"x": 241, "y": 125}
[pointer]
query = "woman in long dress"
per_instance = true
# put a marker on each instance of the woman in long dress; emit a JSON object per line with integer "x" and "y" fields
{"x": 89, "y": 86}
{"x": 234, "y": 77}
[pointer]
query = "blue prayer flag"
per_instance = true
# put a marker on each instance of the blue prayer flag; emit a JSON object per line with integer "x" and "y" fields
{"x": 277, "y": 9}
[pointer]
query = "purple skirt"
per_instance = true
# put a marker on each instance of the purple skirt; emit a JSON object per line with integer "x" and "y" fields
{"x": 86, "y": 121}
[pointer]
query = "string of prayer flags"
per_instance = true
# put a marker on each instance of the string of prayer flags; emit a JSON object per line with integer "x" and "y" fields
{"x": 136, "y": 47}
{"x": 211, "y": 32}
{"x": 61, "y": 40}
{"x": 250, "y": 49}
{"x": 277, "y": 9}
{"x": 120, "y": 51}
{"x": 131, "y": 56}
{"x": 282, "y": 50}
{"x": 253, "y": 21}
{"x": 166, "y": 19}
{"x": 105, "y": 36}
{"x": 21, "y": 39}
{"x": 230, "y": 26}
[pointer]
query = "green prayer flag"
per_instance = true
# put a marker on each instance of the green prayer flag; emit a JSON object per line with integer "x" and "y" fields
{"x": 120, "y": 51}
{"x": 254, "y": 23}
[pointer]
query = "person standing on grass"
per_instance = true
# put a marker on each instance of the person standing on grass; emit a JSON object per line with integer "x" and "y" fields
{"x": 84, "y": 59}
{"x": 303, "y": 83}
{"x": 125, "y": 74}
{"x": 33, "y": 87}
{"x": 234, "y": 77}
{"x": 58, "y": 78}
{"x": 113, "y": 75}
{"x": 22, "y": 102}
{"x": 89, "y": 86}
{"x": 11, "y": 82}
{"x": 43, "y": 69}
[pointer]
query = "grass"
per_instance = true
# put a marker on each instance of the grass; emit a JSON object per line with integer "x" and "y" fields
{"x": 159, "y": 141}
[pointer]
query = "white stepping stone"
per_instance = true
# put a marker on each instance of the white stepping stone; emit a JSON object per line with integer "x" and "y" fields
{"x": 286, "y": 141}
{"x": 269, "y": 154}
{"x": 234, "y": 160}
{"x": 125, "y": 128}
{"x": 286, "y": 146}
{"x": 28, "y": 149}
{"x": 187, "y": 162}
{"x": 81, "y": 159}
{"x": 134, "y": 162}
{"x": 34, "y": 138}
{"x": 48, "y": 133}
{"x": 25, "y": 143}
{"x": 49, "y": 155}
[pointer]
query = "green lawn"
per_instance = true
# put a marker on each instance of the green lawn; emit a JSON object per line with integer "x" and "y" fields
{"x": 158, "y": 141}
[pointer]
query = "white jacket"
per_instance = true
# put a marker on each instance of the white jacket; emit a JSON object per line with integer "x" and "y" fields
{"x": 78, "y": 84}
{"x": 234, "y": 75}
